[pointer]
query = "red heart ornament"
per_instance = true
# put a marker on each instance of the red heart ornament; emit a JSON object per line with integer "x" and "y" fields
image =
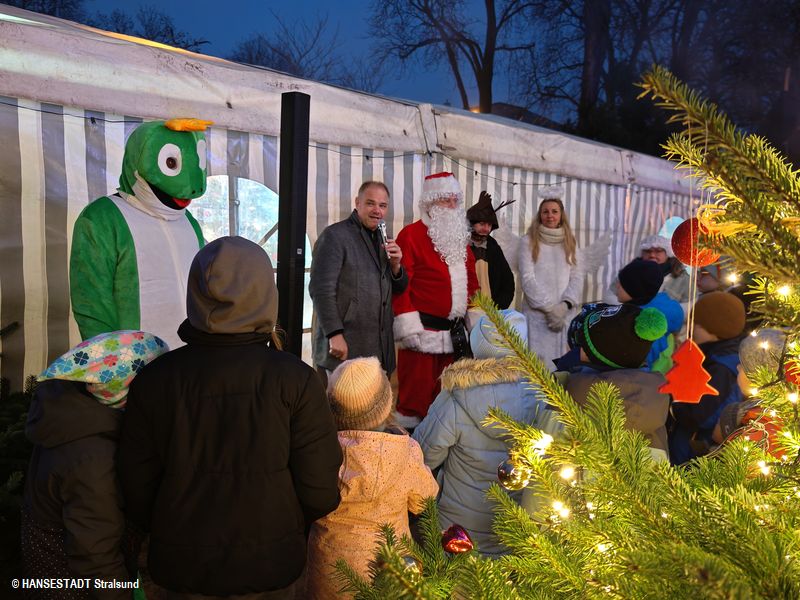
{"x": 456, "y": 540}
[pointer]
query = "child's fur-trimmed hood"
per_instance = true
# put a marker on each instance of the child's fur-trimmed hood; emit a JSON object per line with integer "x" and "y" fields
{"x": 472, "y": 372}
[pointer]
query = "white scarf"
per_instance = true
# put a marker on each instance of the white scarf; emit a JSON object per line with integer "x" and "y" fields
{"x": 551, "y": 237}
{"x": 145, "y": 200}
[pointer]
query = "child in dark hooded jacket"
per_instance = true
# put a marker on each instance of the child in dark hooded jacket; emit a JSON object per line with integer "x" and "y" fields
{"x": 719, "y": 320}
{"x": 72, "y": 519}
{"x": 228, "y": 452}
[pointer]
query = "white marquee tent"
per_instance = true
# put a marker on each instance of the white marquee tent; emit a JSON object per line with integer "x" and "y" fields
{"x": 70, "y": 95}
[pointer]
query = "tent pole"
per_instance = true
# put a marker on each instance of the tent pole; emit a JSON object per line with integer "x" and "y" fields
{"x": 293, "y": 195}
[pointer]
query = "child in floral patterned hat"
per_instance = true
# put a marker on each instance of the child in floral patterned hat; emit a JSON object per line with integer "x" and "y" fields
{"x": 72, "y": 519}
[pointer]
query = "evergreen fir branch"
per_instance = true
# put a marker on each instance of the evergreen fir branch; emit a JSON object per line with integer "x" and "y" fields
{"x": 729, "y": 467}
{"x": 512, "y": 524}
{"x": 518, "y": 433}
{"x": 604, "y": 409}
{"x": 778, "y": 310}
{"x": 742, "y": 204}
{"x": 685, "y": 571}
{"x": 707, "y": 127}
{"x": 352, "y": 583}
{"x": 485, "y": 580}
{"x": 532, "y": 366}
{"x": 753, "y": 182}
{"x": 431, "y": 553}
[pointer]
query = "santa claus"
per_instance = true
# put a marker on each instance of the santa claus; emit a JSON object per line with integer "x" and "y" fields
{"x": 429, "y": 324}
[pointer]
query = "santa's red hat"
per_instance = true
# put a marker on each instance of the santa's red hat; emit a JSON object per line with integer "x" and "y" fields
{"x": 440, "y": 185}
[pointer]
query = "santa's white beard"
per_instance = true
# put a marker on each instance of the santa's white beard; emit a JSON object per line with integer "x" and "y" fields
{"x": 449, "y": 231}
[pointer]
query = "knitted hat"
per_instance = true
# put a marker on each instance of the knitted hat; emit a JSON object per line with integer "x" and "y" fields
{"x": 486, "y": 342}
{"x": 620, "y": 336}
{"x": 641, "y": 279}
{"x": 437, "y": 186}
{"x": 107, "y": 363}
{"x": 720, "y": 314}
{"x": 764, "y": 349}
{"x": 732, "y": 416}
{"x": 657, "y": 241}
{"x": 359, "y": 394}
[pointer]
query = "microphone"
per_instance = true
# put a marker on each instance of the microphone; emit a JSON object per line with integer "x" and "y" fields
{"x": 382, "y": 231}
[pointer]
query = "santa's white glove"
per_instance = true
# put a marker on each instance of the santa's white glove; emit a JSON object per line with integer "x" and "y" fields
{"x": 555, "y": 315}
{"x": 411, "y": 342}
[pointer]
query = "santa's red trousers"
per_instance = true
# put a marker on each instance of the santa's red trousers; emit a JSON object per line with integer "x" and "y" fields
{"x": 418, "y": 380}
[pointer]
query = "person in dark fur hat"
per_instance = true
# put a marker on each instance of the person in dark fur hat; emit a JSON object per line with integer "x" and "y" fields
{"x": 494, "y": 274}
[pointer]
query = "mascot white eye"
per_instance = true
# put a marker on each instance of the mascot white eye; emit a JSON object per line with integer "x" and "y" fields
{"x": 201, "y": 153}
{"x": 169, "y": 160}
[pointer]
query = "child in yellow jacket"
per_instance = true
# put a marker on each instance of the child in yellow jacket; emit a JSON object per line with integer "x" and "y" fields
{"x": 382, "y": 477}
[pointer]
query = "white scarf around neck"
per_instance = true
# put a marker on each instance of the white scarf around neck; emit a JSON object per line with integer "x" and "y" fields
{"x": 551, "y": 237}
{"x": 145, "y": 200}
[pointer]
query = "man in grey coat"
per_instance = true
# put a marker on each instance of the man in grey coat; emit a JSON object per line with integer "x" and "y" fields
{"x": 353, "y": 276}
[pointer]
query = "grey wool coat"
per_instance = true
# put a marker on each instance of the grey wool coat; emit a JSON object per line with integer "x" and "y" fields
{"x": 351, "y": 287}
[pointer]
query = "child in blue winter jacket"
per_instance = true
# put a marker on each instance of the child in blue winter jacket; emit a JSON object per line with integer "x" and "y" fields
{"x": 453, "y": 438}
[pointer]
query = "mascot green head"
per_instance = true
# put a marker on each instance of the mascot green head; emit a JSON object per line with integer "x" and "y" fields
{"x": 170, "y": 157}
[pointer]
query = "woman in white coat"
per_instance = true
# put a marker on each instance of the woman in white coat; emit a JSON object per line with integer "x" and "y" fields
{"x": 552, "y": 278}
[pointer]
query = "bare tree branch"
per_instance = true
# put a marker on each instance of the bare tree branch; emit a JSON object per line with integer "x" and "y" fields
{"x": 309, "y": 49}
{"x": 150, "y": 23}
{"x": 437, "y": 32}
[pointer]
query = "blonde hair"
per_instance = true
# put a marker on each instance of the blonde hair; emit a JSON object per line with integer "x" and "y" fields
{"x": 276, "y": 338}
{"x": 569, "y": 238}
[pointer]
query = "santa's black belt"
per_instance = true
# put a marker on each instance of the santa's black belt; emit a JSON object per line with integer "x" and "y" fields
{"x": 438, "y": 323}
{"x": 457, "y": 329}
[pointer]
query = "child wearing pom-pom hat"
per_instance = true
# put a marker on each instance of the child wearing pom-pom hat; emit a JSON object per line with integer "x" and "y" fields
{"x": 614, "y": 342}
{"x": 382, "y": 477}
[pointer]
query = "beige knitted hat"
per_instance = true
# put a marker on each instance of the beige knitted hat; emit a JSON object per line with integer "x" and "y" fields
{"x": 359, "y": 394}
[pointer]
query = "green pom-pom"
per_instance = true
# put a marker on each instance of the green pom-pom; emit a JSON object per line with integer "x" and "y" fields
{"x": 651, "y": 324}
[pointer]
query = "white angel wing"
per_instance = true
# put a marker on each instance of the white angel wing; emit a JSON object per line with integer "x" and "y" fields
{"x": 594, "y": 255}
{"x": 509, "y": 244}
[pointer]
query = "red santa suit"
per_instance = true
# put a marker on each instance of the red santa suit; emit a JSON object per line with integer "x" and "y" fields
{"x": 437, "y": 289}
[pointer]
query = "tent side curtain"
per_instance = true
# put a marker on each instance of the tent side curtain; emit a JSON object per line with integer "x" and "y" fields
{"x": 57, "y": 159}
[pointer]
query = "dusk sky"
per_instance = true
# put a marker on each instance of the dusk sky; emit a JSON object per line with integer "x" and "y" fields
{"x": 225, "y": 23}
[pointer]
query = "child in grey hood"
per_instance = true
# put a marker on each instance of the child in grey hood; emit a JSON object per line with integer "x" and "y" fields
{"x": 229, "y": 450}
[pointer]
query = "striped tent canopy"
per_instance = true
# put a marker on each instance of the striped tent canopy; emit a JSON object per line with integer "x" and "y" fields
{"x": 71, "y": 95}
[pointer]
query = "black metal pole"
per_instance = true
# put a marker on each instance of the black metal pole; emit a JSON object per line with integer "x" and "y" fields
{"x": 293, "y": 194}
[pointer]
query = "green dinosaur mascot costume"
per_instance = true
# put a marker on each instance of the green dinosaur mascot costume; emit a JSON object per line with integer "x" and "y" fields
{"x": 131, "y": 252}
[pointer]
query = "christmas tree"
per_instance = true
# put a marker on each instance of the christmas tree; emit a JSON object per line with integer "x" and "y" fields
{"x": 609, "y": 521}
